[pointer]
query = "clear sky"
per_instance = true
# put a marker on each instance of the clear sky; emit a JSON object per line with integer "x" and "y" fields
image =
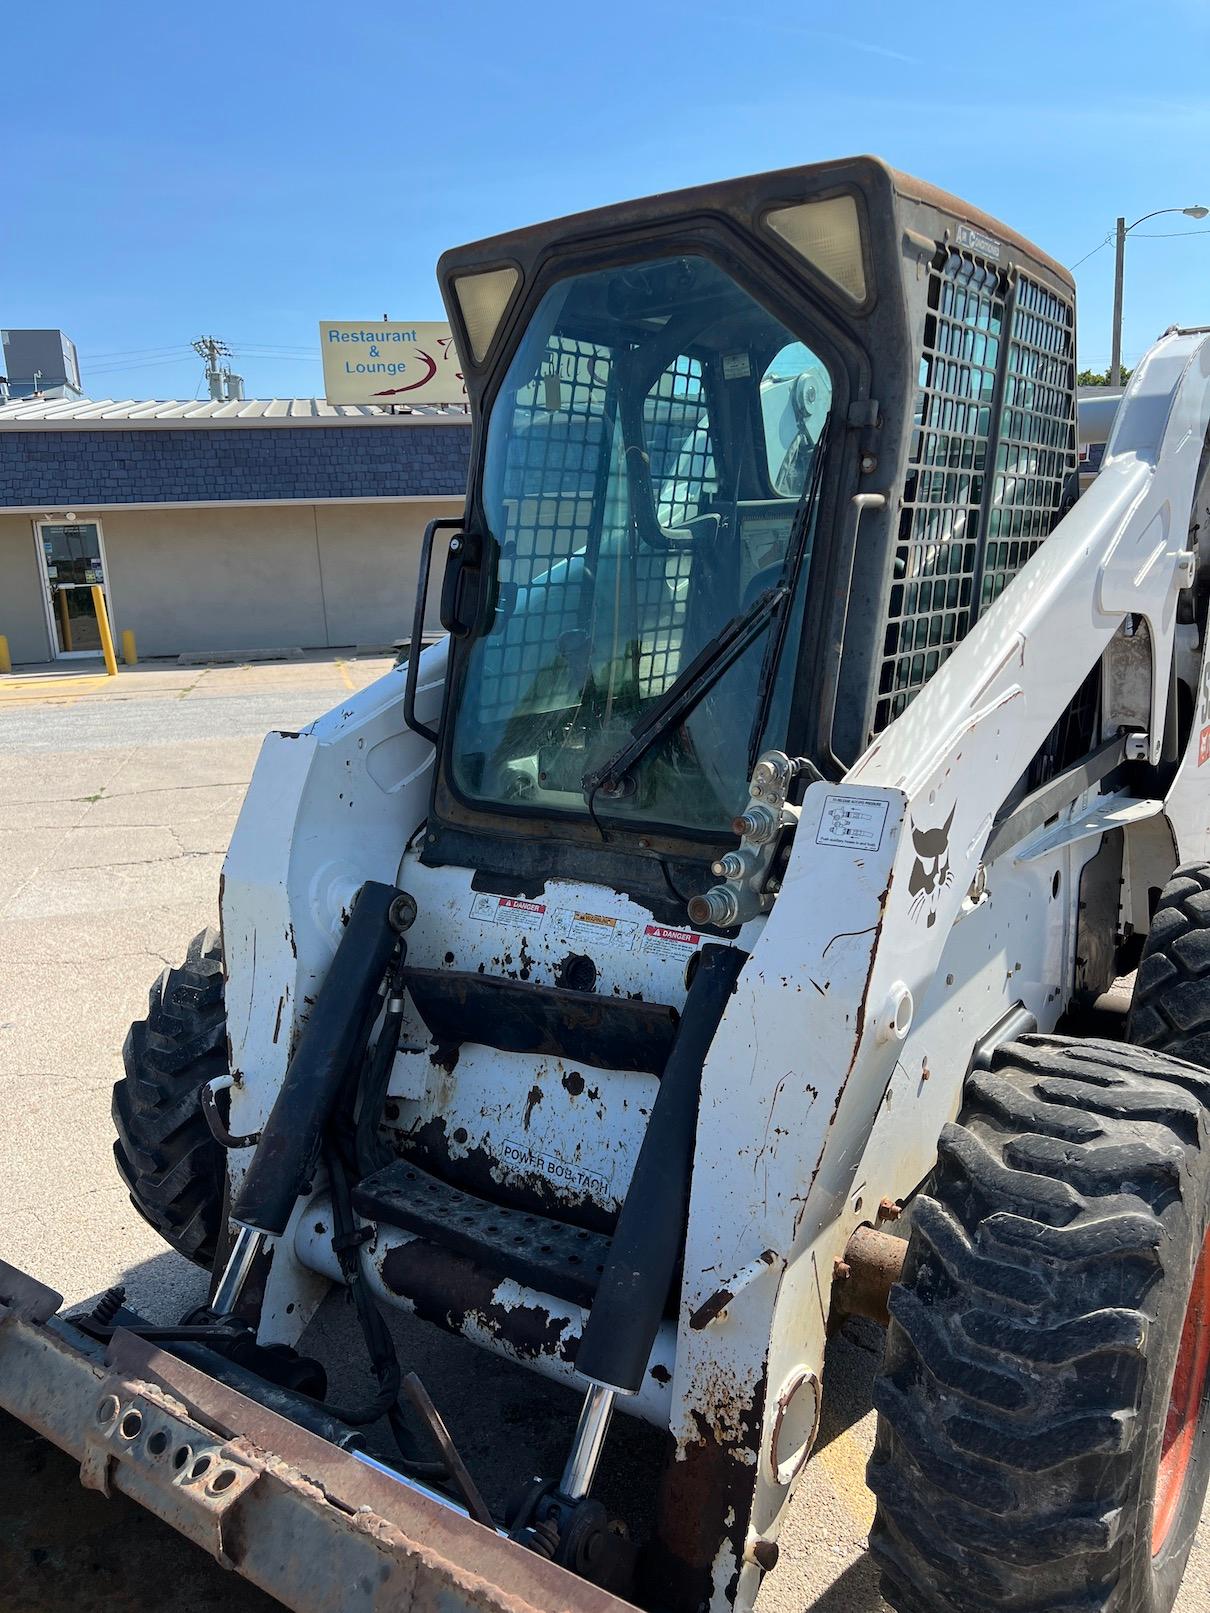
{"x": 249, "y": 169}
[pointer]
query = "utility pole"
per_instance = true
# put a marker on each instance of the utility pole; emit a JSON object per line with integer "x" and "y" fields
{"x": 1122, "y": 231}
{"x": 210, "y": 349}
{"x": 1119, "y": 271}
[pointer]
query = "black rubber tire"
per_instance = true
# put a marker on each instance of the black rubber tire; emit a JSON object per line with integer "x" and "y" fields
{"x": 1171, "y": 1007}
{"x": 1034, "y": 1339}
{"x": 165, "y": 1151}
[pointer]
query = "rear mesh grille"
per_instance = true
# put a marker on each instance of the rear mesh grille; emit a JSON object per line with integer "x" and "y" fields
{"x": 972, "y": 516}
{"x": 1036, "y": 442}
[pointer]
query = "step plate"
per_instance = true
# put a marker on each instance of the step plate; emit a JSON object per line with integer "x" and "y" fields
{"x": 548, "y": 1255}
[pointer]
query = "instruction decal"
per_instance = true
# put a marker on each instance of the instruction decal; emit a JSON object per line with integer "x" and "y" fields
{"x": 508, "y": 910}
{"x": 574, "y": 925}
{"x": 855, "y": 821}
{"x": 562, "y": 1172}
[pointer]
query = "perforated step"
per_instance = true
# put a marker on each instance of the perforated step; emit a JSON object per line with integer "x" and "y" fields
{"x": 548, "y": 1255}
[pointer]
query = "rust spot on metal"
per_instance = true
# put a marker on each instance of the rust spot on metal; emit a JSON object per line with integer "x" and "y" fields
{"x": 802, "y": 1383}
{"x": 863, "y": 1279}
{"x": 533, "y": 1099}
{"x": 661, "y": 1373}
{"x": 705, "y": 1500}
{"x": 445, "y": 1058}
{"x": 479, "y": 1171}
{"x": 454, "y": 1292}
{"x": 281, "y": 1005}
{"x": 710, "y": 1308}
{"x": 573, "y": 1081}
{"x": 291, "y": 940}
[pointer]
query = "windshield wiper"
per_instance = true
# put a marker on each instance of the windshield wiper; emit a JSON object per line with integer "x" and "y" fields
{"x": 687, "y": 690}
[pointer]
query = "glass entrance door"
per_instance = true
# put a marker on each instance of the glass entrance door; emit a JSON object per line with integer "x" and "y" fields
{"x": 72, "y": 565}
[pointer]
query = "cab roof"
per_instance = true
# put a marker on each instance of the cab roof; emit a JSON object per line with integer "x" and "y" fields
{"x": 742, "y": 198}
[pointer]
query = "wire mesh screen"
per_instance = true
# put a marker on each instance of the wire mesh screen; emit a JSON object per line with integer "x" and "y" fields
{"x": 678, "y": 441}
{"x": 937, "y": 555}
{"x": 683, "y": 476}
{"x": 972, "y": 516}
{"x": 558, "y": 443}
{"x": 561, "y": 574}
{"x": 1035, "y": 451}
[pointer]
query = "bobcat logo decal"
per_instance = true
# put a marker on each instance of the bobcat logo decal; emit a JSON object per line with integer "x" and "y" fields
{"x": 931, "y": 871}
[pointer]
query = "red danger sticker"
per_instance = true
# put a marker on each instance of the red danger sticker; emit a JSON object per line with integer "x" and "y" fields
{"x": 1203, "y": 747}
{"x": 508, "y": 910}
{"x": 680, "y": 938}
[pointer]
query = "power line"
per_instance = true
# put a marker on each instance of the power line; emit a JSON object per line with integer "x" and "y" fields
{"x": 291, "y": 347}
{"x": 1168, "y": 235}
{"x": 105, "y": 370}
{"x": 1093, "y": 253}
{"x": 132, "y": 352}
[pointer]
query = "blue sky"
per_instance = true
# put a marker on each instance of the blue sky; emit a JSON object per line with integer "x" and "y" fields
{"x": 248, "y": 169}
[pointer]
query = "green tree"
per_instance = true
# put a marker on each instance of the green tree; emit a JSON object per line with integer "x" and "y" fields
{"x": 1097, "y": 378}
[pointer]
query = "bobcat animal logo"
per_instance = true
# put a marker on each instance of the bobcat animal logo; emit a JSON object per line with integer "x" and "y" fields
{"x": 931, "y": 872}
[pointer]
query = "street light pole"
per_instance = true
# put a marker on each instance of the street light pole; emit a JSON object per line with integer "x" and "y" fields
{"x": 1119, "y": 274}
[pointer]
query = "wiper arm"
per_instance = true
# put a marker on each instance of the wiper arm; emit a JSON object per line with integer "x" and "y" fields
{"x": 692, "y": 685}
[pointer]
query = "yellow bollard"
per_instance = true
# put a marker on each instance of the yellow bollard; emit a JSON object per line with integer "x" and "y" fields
{"x": 98, "y": 604}
{"x": 129, "y": 654}
{"x": 6, "y": 660}
{"x": 64, "y": 618}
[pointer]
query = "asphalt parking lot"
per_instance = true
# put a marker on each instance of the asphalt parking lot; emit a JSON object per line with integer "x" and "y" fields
{"x": 116, "y": 804}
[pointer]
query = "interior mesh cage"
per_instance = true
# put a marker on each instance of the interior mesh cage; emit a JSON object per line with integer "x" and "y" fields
{"x": 568, "y": 553}
{"x": 993, "y": 442}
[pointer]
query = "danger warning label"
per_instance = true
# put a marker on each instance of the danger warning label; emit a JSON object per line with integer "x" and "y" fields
{"x": 508, "y": 910}
{"x": 661, "y": 942}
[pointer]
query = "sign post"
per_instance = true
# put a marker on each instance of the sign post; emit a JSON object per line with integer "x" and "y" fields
{"x": 390, "y": 362}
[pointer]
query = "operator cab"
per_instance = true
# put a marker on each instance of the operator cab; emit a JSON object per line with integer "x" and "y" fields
{"x": 667, "y": 566}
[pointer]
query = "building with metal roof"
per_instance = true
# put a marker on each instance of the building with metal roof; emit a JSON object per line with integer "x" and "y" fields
{"x": 217, "y": 526}
{"x": 112, "y": 411}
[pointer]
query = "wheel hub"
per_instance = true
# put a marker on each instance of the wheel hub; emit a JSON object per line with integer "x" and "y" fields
{"x": 1184, "y": 1405}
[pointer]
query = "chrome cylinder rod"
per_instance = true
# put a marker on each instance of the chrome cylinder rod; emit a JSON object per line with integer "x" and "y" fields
{"x": 248, "y": 1244}
{"x": 589, "y": 1442}
{"x": 415, "y": 1485}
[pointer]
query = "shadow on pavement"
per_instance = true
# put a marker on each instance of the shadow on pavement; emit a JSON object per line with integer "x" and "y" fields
{"x": 64, "y": 1549}
{"x": 853, "y": 1357}
{"x": 853, "y": 1591}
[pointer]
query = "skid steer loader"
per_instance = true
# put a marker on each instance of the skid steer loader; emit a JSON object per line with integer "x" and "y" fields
{"x": 751, "y": 862}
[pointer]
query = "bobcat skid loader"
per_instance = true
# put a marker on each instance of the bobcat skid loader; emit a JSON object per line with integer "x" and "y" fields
{"x": 750, "y": 863}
